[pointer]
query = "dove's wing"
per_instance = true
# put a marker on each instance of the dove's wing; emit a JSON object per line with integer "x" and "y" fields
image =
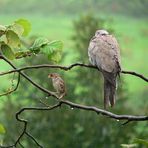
{"x": 104, "y": 52}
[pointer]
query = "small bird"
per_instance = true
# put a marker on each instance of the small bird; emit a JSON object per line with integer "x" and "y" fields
{"x": 58, "y": 84}
{"x": 103, "y": 52}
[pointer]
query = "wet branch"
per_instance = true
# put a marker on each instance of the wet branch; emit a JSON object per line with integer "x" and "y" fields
{"x": 28, "y": 78}
{"x": 12, "y": 89}
{"x": 66, "y": 68}
{"x": 25, "y": 123}
{"x": 125, "y": 118}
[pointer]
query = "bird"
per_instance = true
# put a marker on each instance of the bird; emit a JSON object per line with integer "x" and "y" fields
{"x": 104, "y": 53}
{"x": 58, "y": 84}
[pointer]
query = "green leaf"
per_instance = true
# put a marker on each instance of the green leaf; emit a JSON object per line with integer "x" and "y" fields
{"x": 54, "y": 46}
{"x": 17, "y": 28}
{"x": 53, "y": 50}
{"x": 38, "y": 43}
{"x": 2, "y": 30}
{"x": 141, "y": 141}
{"x": 2, "y": 129}
{"x": 7, "y": 51}
{"x": 13, "y": 39}
{"x": 55, "y": 57}
{"x": 46, "y": 50}
{"x": 25, "y": 24}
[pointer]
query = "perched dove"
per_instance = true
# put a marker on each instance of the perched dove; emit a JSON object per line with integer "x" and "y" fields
{"x": 103, "y": 52}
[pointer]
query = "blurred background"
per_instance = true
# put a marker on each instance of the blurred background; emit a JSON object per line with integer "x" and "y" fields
{"x": 74, "y": 23}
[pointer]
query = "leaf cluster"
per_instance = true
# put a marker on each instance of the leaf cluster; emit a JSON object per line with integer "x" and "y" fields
{"x": 12, "y": 47}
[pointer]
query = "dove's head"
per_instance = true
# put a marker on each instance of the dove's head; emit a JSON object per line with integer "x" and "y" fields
{"x": 53, "y": 75}
{"x": 101, "y": 32}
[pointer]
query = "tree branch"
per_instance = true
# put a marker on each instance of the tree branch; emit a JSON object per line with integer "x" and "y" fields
{"x": 135, "y": 74}
{"x": 28, "y": 78}
{"x": 66, "y": 68}
{"x": 12, "y": 90}
{"x": 119, "y": 117}
{"x": 104, "y": 112}
{"x": 126, "y": 118}
{"x": 29, "y": 135}
{"x": 25, "y": 123}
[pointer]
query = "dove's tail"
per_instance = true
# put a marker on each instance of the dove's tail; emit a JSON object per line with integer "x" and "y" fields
{"x": 109, "y": 88}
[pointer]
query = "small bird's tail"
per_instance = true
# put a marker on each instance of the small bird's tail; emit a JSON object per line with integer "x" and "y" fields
{"x": 109, "y": 88}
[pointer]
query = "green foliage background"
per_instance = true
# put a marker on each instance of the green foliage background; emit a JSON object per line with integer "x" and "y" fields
{"x": 64, "y": 20}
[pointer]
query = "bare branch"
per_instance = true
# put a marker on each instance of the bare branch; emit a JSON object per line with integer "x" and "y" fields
{"x": 66, "y": 68}
{"x": 14, "y": 89}
{"x": 25, "y": 123}
{"x": 89, "y": 108}
{"x": 30, "y": 136}
{"x": 126, "y": 122}
{"x": 135, "y": 74}
{"x": 126, "y": 118}
{"x": 28, "y": 78}
{"x": 104, "y": 112}
{"x": 21, "y": 145}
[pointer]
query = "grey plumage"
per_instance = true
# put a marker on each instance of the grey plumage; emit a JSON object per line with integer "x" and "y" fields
{"x": 103, "y": 52}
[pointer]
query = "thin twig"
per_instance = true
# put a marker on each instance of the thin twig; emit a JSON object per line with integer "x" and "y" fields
{"x": 43, "y": 103}
{"x": 29, "y": 135}
{"x": 21, "y": 145}
{"x": 128, "y": 118}
{"x": 135, "y": 74}
{"x": 25, "y": 122}
{"x": 133, "y": 118}
{"x": 66, "y": 68}
{"x": 14, "y": 89}
{"x": 126, "y": 122}
{"x": 28, "y": 78}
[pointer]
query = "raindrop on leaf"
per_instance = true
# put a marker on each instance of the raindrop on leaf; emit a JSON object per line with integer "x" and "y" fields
{"x": 72, "y": 108}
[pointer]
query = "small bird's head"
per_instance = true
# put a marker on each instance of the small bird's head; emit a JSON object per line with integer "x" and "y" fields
{"x": 101, "y": 32}
{"x": 53, "y": 75}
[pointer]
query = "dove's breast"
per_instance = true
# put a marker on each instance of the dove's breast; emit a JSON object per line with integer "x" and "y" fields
{"x": 103, "y": 53}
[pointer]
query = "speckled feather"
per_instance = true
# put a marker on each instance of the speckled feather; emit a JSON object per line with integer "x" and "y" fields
{"x": 58, "y": 84}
